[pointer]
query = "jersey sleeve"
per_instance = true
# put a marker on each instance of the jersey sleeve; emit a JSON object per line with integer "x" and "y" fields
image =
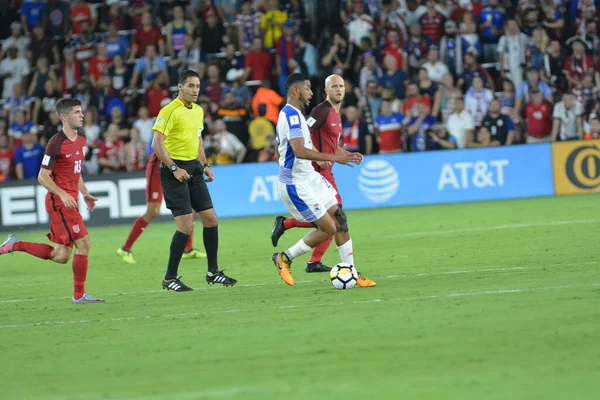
{"x": 162, "y": 121}
{"x": 52, "y": 153}
{"x": 318, "y": 117}
{"x": 293, "y": 125}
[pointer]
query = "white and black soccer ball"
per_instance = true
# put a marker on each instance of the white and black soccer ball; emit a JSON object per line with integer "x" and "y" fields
{"x": 343, "y": 276}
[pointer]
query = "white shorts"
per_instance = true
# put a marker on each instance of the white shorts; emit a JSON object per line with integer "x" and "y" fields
{"x": 310, "y": 199}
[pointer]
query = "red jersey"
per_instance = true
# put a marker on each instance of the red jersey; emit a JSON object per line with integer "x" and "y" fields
{"x": 260, "y": 64}
{"x": 64, "y": 157}
{"x": 325, "y": 126}
{"x": 113, "y": 150}
{"x": 6, "y": 162}
{"x": 411, "y": 108}
{"x": 80, "y": 12}
{"x": 143, "y": 38}
{"x": 136, "y": 154}
{"x": 98, "y": 68}
{"x": 155, "y": 96}
{"x": 539, "y": 119}
{"x": 397, "y": 52}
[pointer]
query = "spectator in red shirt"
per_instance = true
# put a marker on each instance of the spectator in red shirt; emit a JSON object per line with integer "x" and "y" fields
{"x": 538, "y": 113}
{"x": 213, "y": 89}
{"x": 112, "y": 155}
{"x": 259, "y": 62}
{"x": 147, "y": 35}
{"x": 135, "y": 153}
{"x": 99, "y": 64}
{"x": 157, "y": 96}
{"x": 578, "y": 64}
{"x": 432, "y": 23}
{"x": 7, "y": 159}
{"x": 81, "y": 11}
{"x": 413, "y": 99}
{"x": 396, "y": 49}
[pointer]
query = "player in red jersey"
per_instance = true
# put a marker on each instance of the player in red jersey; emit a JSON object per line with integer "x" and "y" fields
{"x": 154, "y": 198}
{"x": 61, "y": 175}
{"x": 325, "y": 124}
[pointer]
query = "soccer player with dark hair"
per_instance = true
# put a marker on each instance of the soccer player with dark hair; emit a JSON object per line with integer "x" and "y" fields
{"x": 61, "y": 175}
{"x": 178, "y": 145}
{"x": 325, "y": 125}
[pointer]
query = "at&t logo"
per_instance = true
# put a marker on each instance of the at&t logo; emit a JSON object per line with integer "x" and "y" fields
{"x": 583, "y": 167}
{"x": 378, "y": 181}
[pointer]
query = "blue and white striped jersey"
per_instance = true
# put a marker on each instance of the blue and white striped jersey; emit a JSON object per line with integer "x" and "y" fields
{"x": 290, "y": 125}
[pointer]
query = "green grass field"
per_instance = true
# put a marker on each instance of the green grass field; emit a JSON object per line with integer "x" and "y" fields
{"x": 494, "y": 300}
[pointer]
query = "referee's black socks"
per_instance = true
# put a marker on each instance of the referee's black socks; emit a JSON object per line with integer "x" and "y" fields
{"x": 211, "y": 245}
{"x": 178, "y": 243}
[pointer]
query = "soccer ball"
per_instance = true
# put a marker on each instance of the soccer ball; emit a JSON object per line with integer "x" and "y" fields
{"x": 343, "y": 276}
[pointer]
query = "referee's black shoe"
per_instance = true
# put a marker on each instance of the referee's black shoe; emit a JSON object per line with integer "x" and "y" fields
{"x": 278, "y": 230}
{"x": 175, "y": 285}
{"x": 220, "y": 278}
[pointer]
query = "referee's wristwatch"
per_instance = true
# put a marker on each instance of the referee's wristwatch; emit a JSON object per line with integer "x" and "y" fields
{"x": 205, "y": 165}
{"x": 173, "y": 167}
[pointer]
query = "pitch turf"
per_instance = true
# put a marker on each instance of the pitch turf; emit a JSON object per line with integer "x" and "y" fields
{"x": 496, "y": 300}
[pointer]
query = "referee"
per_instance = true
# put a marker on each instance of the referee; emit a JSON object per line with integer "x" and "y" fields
{"x": 178, "y": 144}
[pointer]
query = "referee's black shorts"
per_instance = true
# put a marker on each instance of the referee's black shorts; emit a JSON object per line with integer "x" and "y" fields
{"x": 188, "y": 196}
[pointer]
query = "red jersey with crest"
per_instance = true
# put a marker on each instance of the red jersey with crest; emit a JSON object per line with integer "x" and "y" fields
{"x": 64, "y": 157}
{"x": 325, "y": 126}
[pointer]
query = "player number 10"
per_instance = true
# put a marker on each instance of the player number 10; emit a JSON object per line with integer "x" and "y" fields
{"x": 78, "y": 166}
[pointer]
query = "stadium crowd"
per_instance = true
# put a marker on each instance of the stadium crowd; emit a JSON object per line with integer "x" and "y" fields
{"x": 419, "y": 75}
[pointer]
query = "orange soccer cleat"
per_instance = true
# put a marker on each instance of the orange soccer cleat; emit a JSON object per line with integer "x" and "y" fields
{"x": 283, "y": 263}
{"x": 364, "y": 282}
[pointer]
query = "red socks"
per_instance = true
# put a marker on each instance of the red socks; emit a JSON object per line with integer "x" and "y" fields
{"x": 138, "y": 227}
{"x": 294, "y": 223}
{"x": 317, "y": 254}
{"x": 189, "y": 246}
{"x": 39, "y": 250}
{"x": 80, "y": 268}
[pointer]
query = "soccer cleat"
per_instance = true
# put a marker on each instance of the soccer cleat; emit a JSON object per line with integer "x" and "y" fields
{"x": 316, "y": 267}
{"x": 193, "y": 253}
{"x": 221, "y": 278}
{"x": 9, "y": 244}
{"x": 278, "y": 230}
{"x": 87, "y": 299}
{"x": 364, "y": 282}
{"x": 175, "y": 285}
{"x": 283, "y": 263}
{"x": 126, "y": 256}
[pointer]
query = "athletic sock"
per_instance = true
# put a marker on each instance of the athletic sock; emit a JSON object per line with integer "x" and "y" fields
{"x": 211, "y": 245}
{"x": 317, "y": 254}
{"x": 138, "y": 228}
{"x": 80, "y": 268}
{"x": 294, "y": 223}
{"x": 39, "y": 250}
{"x": 189, "y": 246}
{"x": 346, "y": 253}
{"x": 298, "y": 249}
{"x": 177, "y": 245}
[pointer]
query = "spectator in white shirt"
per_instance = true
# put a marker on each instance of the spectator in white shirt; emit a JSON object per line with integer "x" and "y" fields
{"x": 226, "y": 146}
{"x": 144, "y": 125}
{"x": 511, "y": 52}
{"x": 16, "y": 39}
{"x": 567, "y": 119}
{"x": 477, "y": 100}
{"x": 12, "y": 69}
{"x": 362, "y": 25}
{"x": 460, "y": 124}
{"x": 436, "y": 69}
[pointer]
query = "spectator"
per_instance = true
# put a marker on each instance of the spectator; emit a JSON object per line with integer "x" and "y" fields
{"x": 150, "y": 67}
{"x": 593, "y": 133}
{"x": 267, "y": 153}
{"x": 491, "y": 23}
{"x": 370, "y": 71}
{"x": 271, "y": 23}
{"x": 430, "y": 89}
{"x": 501, "y": 127}
{"x": 91, "y": 131}
{"x": 115, "y": 15}
{"x": 83, "y": 93}
{"x": 530, "y": 21}
{"x": 461, "y": 125}
{"x": 111, "y": 156}
{"x": 416, "y": 48}
{"x": 341, "y": 58}
{"x": 57, "y": 18}
{"x": 362, "y": 25}
{"x": 157, "y": 96}
{"x": 395, "y": 48}
{"x": 567, "y": 121}
{"x": 261, "y": 130}
{"x": 104, "y": 98}
{"x": 538, "y": 114}
{"x": 248, "y": 25}
{"x": 20, "y": 127}
{"x": 477, "y": 100}
{"x": 117, "y": 119}
{"x": 233, "y": 60}
{"x": 82, "y": 11}
{"x": 536, "y": 51}
{"x": 120, "y": 74}
{"x": 70, "y": 72}
{"x": 16, "y": 39}
{"x": 99, "y": 65}
{"x": 143, "y": 125}
{"x": 418, "y": 126}
{"x": 259, "y": 62}
{"x": 7, "y": 156}
{"x": 393, "y": 77}
{"x": 213, "y": 34}
{"x": 484, "y": 138}
{"x": 43, "y": 46}
{"x": 190, "y": 57}
{"x": 85, "y": 42}
{"x": 137, "y": 8}
{"x": 468, "y": 32}
{"x": 17, "y": 101}
{"x": 432, "y": 23}
{"x": 32, "y": 13}
{"x": 166, "y": 11}
{"x": 440, "y": 139}
{"x": 511, "y": 52}
{"x": 448, "y": 95}
{"x": 225, "y": 146}
{"x": 28, "y": 157}
{"x": 12, "y": 70}
{"x": 226, "y": 9}
{"x": 578, "y": 64}
{"x": 356, "y": 135}
{"x": 147, "y": 35}
{"x": 413, "y": 99}
{"x": 532, "y": 82}
{"x": 412, "y": 12}
{"x": 45, "y": 104}
{"x": 436, "y": 69}
{"x": 389, "y": 124}
{"x": 116, "y": 44}
{"x": 473, "y": 69}
{"x": 285, "y": 48}
{"x": 265, "y": 95}
{"x": 135, "y": 153}
{"x": 370, "y": 103}
{"x": 212, "y": 89}
{"x": 306, "y": 57}
{"x": 177, "y": 30}
{"x": 241, "y": 92}
{"x": 352, "y": 94}
{"x": 51, "y": 128}
{"x": 553, "y": 67}
{"x": 591, "y": 38}
{"x": 453, "y": 48}
{"x": 394, "y": 30}
{"x": 587, "y": 94}
{"x": 235, "y": 116}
